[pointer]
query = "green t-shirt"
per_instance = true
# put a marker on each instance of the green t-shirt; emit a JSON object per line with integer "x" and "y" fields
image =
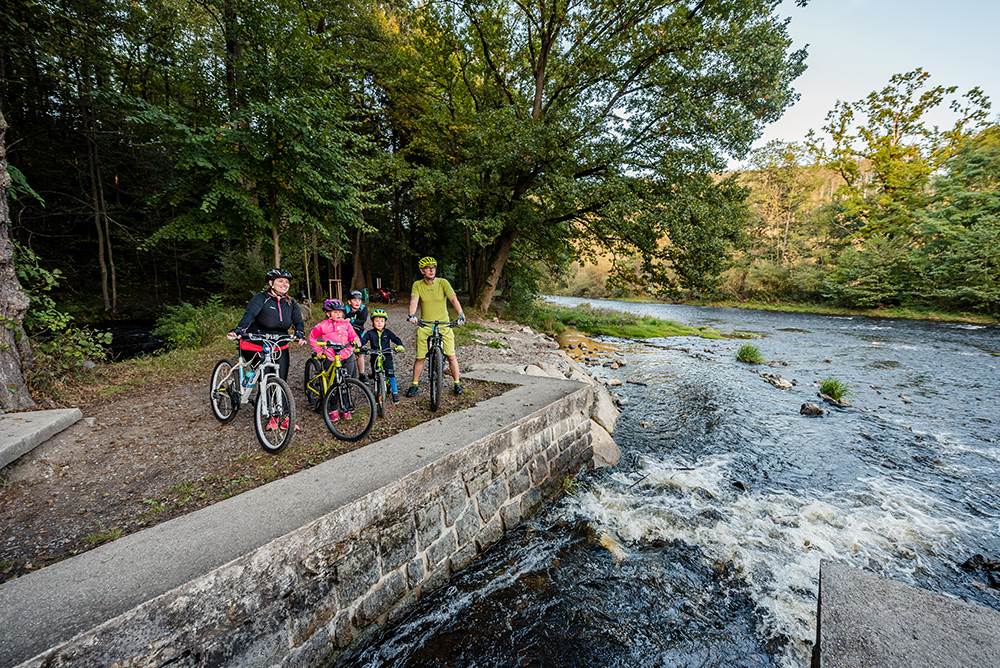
{"x": 433, "y": 298}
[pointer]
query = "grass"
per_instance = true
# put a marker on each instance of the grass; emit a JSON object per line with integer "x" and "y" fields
{"x": 901, "y": 312}
{"x": 101, "y": 537}
{"x": 750, "y": 354}
{"x": 835, "y": 389}
{"x": 554, "y": 320}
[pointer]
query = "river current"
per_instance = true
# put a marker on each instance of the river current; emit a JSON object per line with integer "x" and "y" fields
{"x": 702, "y": 547}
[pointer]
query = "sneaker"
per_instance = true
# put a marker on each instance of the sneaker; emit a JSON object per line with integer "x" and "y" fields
{"x": 457, "y": 389}
{"x": 334, "y": 416}
{"x": 395, "y": 397}
{"x": 346, "y": 415}
{"x": 413, "y": 391}
{"x": 272, "y": 424}
{"x": 284, "y": 424}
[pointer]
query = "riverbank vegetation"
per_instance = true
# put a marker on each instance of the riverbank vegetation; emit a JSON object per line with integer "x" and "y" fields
{"x": 835, "y": 389}
{"x": 879, "y": 213}
{"x": 554, "y": 320}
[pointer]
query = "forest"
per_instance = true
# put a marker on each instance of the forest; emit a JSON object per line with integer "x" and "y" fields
{"x": 879, "y": 208}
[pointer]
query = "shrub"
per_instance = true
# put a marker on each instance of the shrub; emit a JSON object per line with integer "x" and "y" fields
{"x": 834, "y": 388}
{"x": 60, "y": 348}
{"x": 749, "y": 354}
{"x": 189, "y": 326}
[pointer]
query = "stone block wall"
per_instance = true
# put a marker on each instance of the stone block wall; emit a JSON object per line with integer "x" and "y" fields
{"x": 307, "y": 596}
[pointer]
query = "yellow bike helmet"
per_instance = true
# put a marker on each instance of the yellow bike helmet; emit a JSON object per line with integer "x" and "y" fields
{"x": 427, "y": 261}
{"x": 379, "y": 313}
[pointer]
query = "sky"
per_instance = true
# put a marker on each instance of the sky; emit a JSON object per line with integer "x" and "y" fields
{"x": 854, "y": 47}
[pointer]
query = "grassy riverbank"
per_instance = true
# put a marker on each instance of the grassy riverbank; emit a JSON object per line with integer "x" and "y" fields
{"x": 554, "y": 320}
{"x": 900, "y": 312}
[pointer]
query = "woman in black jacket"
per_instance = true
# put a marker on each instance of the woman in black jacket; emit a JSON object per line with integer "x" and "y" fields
{"x": 270, "y": 313}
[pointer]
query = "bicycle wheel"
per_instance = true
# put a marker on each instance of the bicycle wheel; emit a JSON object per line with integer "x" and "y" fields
{"x": 224, "y": 391}
{"x": 312, "y": 384}
{"x": 380, "y": 393}
{"x": 352, "y": 403}
{"x": 436, "y": 377}
{"x": 274, "y": 417}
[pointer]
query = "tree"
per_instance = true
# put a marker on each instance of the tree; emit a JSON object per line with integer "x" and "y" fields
{"x": 781, "y": 188}
{"x": 886, "y": 151}
{"x": 556, "y": 123}
{"x": 15, "y": 350}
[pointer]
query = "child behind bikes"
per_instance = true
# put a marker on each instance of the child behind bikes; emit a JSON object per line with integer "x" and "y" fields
{"x": 336, "y": 329}
{"x": 381, "y": 338}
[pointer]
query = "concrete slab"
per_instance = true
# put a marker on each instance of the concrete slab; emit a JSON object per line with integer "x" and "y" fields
{"x": 22, "y": 432}
{"x": 867, "y": 620}
{"x": 41, "y": 609}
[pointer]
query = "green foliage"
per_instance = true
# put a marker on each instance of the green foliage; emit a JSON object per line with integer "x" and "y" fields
{"x": 750, "y": 354}
{"x": 835, "y": 389}
{"x": 189, "y": 326}
{"x": 60, "y": 348}
{"x": 556, "y": 319}
{"x": 241, "y": 273}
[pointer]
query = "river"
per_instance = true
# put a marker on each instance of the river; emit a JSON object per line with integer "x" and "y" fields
{"x": 702, "y": 548}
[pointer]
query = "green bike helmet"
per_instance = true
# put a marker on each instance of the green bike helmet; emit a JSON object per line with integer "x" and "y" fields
{"x": 427, "y": 261}
{"x": 380, "y": 313}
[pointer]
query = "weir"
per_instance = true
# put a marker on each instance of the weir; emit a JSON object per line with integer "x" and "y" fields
{"x": 298, "y": 570}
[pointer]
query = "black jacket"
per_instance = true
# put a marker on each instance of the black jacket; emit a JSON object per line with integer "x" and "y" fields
{"x": 358, "y": 318}
{"x": 266, "y": 314}
{"x": 383, "y": 343}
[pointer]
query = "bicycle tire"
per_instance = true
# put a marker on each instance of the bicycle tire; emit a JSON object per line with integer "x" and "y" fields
{"x": 225, "y": 412}
{"x": 281, "y": 409}
{"x": 436, "y": 378}
{"x": 380, "y": 392}
{"x": 314, "y": 397}
{"x": 362, "y": 410}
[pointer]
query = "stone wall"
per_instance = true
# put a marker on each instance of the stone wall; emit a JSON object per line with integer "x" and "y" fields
{"x": 305, "y": 596}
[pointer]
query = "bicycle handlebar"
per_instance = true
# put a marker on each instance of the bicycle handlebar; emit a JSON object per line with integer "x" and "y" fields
{"x": 277, "y": 339}
{"x": 425, "y": 323}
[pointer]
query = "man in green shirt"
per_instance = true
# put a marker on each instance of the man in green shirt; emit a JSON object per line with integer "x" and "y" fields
{"x": 432, "y": 294}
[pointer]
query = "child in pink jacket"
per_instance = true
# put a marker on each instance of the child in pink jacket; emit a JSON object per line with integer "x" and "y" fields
{"x": 335, "y": 329}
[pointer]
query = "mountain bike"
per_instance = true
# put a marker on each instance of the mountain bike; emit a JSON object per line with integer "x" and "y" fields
{"x": 379, "y": 380}
{"x": 347, "y": 404}
{"x": 234, "y": 382}
{"x": 435, "y": 358}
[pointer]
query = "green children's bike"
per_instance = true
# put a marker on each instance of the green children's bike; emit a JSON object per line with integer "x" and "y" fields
{"x": 347, "y": 405}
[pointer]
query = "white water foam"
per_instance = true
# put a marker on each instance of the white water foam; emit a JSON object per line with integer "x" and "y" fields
{"x": 775, "y": 540}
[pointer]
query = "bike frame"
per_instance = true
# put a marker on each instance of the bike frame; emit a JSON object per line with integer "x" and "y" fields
{"x": 334, "y": 376}
{"x": 268, "y": 365}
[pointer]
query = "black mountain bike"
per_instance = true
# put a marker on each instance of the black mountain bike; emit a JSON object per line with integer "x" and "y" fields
{"x": 435, "y": 358}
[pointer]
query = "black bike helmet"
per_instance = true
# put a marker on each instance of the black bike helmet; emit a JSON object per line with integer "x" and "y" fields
{"x": 277, "y": 273}
{"x": 355, "y": 294}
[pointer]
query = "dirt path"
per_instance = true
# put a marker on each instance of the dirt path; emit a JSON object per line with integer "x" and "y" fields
{"x": 154, "y": 451}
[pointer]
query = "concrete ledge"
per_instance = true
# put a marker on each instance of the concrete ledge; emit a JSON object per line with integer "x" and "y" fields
{"x": 182, "y": 575}
{"x": 866, "y": 620}
{"x": 22, "y": 432}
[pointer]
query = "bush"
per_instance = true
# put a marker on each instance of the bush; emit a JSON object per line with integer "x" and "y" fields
{"x": 556, "y": 319}
{"x": 749, "y": 354}
{"x": 189, "y": 326}
{"x": 834, "y": 388}
{"x": 60, "y": 348}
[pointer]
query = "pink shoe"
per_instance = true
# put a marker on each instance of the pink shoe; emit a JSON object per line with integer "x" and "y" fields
{"x": 347, "y": 415}
{"x": 334, "y": 416}
{"x": 284, "y": 424}
{"x": 272, "y": 424}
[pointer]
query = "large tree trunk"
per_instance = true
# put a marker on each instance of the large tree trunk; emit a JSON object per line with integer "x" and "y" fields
{"x": 276, "y": 241}
{"x": 494, "y": 269}
{"x": 15, "y": 351}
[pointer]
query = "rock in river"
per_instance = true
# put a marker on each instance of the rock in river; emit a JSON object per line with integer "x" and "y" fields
{"x": 811, "y": 409}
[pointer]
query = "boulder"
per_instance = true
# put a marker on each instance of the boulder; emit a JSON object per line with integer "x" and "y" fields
{"x": 533, "y": 370}
{"x": 551, "y": 370}
{"x": 613, "y": 382}
{"x": 606, "y": 452}
{"x": 811, "y": 410}
{"x": 579, "y": 376}
{"x": 842, "y": 403}
{"x": 603, "y": 410}
{"x": 777, "y": 381}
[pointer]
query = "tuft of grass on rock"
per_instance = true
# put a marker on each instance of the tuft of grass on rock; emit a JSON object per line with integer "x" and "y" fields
{"x": 835, "y": 389}
{"x": 101, "y": 537}
{"x": 749, "y": 354}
